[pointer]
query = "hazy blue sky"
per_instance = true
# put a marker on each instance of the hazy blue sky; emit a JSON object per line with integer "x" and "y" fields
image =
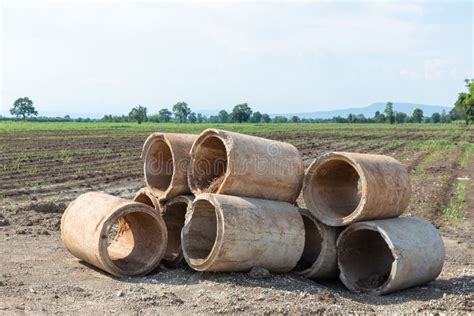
{"x": 86, "y": 57}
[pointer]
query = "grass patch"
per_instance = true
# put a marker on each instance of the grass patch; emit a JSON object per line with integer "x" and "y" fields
{"x": 65, "y": 155}
{"x": 466, "y": 155}
{"x": 456, "y": 210}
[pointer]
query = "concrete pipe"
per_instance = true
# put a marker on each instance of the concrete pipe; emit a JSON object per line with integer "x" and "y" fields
{"x": 242, "y": 165}
{"x": 166, "y": 160}
{"x": 145, "y": 196}
{"x": 319, "y": 259}
{"x": 384, "y": 256}
{"x": 116, "y": 235}
{"x": 228, "y": 233}
{"x": 174, "y": 214}
{"x": 342, "y": 188}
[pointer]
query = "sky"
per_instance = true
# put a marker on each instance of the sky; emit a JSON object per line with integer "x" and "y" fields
{"x": 279, "y": 57}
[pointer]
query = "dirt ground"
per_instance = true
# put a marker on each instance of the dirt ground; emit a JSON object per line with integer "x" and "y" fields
{"x": 38, "y": 275}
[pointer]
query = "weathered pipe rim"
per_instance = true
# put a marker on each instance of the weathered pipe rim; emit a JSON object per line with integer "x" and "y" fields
{"x": 324, "y": 246}
{"x": 188, "y": 200}
{"x": 383, "y": 288}
{"x": 205, "y": 135}
{"x": 206, "y": 263}
{"x": 149, "y": 142}
{"x": 157, "y": 204}
{"x": 133, "y": 207}
{"x": 327, "y": 217}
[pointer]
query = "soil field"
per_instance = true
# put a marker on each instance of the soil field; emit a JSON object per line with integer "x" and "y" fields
{"x": 44, "y": 166}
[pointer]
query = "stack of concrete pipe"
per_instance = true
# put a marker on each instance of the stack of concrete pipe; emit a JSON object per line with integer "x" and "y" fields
{"x": 224, "y": 201}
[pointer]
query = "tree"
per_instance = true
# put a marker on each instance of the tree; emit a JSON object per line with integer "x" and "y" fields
{"x": 165, "y": 115}
{"x": 280, "y": 119}
{"x": 350, "y": 118}
{"x": 200, "y": 118}
{"x": 417, "y": 116}
{"x": 435, "y": 117}
{"x": 181, "y": 112}
{"x": 241, "y": 113}
{"x": 223, "y": 116}
{"x": 265, "y": 118}
{"x": 444, "y": 118}
{"x": 192, "y": 117}
{"x": 23, "y": 107}
{"x": 295, "y": 119}
{"x": 464, "y": 105}
{"x": 400, "y": 117}
{"x": 138, "y": 114}
{"x": 379, "y": 117}
{"x": 389, "y": 117}
{"x": 256, "y": 117}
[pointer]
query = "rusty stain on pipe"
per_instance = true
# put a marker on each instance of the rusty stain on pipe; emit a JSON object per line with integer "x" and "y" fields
{"x": 229, "y": 233}
{"x": 116, "y": 235}
{"x": 384, "y": 256}
{"x": 242, "y": 165}
{"x": 165, "y": 163}
{"x": 319, "y": 259}
{"x": 341, "y": 188}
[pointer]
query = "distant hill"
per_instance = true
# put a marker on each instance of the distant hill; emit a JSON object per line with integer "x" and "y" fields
{"x": 370, "y": 110}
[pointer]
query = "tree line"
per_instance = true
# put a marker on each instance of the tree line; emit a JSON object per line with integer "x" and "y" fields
{"x": 242, "y": 113}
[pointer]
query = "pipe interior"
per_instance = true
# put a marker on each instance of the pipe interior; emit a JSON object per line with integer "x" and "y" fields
{"x": 144, "y": 199}
{"x": 365, "y": 259}
{"x": 134, "y": 241}
{"x": 159, "y": 165}
{"x": 312, "y": 245}
{"x": 174, "y": 218}
{"x": 209, "y": 164}
{"x": 336, "y": 188}
{"x": 201, "y": 231}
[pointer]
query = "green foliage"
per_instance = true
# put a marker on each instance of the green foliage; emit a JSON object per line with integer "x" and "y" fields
{"x": 256, "y": 117}
{"x": 138, "y": 114}
{"x": 266, "y": 118}
{"x": 280, "y": 119}
{"x": 435, "y": 117}
{"x": 417, "y": 116}
{"x": 241, "y": 113}
{"x": 389, "y": 116}
{"x": 456, "y": 211}
{"x": 181, "y": 112}
{"x": 223, "y": 116}
{"x": 165, "y": 115}
{"x": 23, "y": 107}
{"x": 65, "y": 155}
{"x": 464, "y": 105}
{"x": 192, "y": 117}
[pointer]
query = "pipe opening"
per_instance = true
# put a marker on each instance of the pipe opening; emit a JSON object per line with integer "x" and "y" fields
{"x": 312, "y": 245}
{"x": 336, "y": 188}
{"x": 365, "y": 259}
{"x": 201, "y": 232}
{"x": 134, "y": 242}
{"x": 144, "y": 199}
{"x": 159, "y": 165}
{"x": 209, "y": 165}
{"x": 174, "y": 219}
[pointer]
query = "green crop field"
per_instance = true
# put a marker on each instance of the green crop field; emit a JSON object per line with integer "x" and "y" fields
{"x": 42, "y": 159}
